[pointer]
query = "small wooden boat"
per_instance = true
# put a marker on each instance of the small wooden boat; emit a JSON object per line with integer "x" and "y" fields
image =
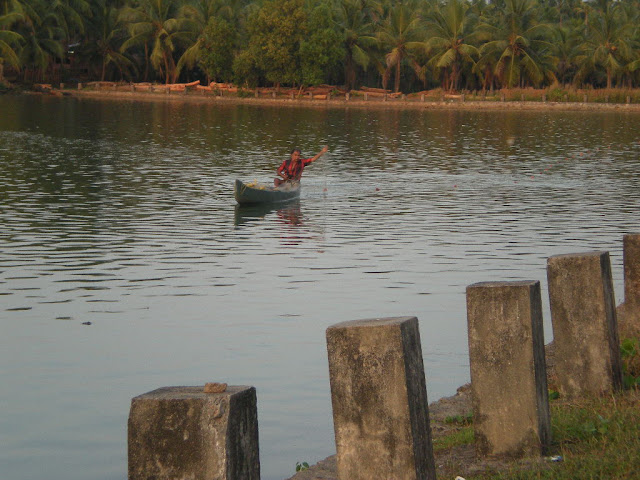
{"x": 254, "y": 193}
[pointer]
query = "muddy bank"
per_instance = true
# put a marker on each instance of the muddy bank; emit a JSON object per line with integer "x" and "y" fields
{"x": 353, "y": 102}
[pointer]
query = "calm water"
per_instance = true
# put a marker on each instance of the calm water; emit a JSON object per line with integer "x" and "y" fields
{"x": 122, "y": 215}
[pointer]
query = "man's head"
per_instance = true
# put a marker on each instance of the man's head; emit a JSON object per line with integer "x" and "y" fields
{"x": 296, "y": 154}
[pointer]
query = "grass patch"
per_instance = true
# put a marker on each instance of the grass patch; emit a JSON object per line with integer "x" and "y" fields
{"x": 597, "y": 438}
{"x": 463, "y": 436}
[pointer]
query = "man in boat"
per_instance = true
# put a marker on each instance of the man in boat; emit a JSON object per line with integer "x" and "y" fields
{"x": 291, "y": 169}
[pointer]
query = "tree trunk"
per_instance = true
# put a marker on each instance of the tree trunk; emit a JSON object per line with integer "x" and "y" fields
{"x": 1, "y": 73}
{"x": 397, "y": 82}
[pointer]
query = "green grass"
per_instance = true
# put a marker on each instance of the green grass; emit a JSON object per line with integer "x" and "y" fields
{"x": 597, "y": 438}
{"x": 463, "y": 436}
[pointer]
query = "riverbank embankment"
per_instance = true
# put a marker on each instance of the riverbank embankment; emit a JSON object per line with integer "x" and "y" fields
{"x": 397, "y": 103}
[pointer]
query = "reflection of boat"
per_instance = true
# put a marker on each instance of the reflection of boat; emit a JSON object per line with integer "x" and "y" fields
{"x": 289, "y": 212}
{"x": 253, "y": 193}
{"x": 248, "y": 213}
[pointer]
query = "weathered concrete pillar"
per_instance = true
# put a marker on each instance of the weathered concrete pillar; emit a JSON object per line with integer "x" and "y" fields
{"x": 183, "y": 432}
{"x": 379, "y": 397}
{"x": 585, "y": 331}
{"x": 628, "y": 313}
{"x": 631, "y": 256}
{"x": 508, "y": 371}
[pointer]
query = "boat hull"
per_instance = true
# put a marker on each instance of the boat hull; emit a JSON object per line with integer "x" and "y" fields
{"x": 255, "y": 195}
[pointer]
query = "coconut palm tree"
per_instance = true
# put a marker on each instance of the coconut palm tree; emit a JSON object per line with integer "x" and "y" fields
{"x": 357, "y": 27}
{"x": 9, "y": 41}
{"x": 522, "y": 46}
{"x": 155, "y": 26}
{"x": 43, "y": 39}
{"x": 607, "y": 46}
{"x": 449, "y": 43}
{"x": 401, "y": 36}
{"x": 106, "y": 37}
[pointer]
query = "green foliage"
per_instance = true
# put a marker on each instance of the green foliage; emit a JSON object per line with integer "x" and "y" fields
{"x": 276, "y": 31}
{"x": 302, "y": 466}
{"x": 463, "y": 420}
{"x": 630, "y": 352}
{"x": 216, "y": 59}
{"x": 321, "y": 51}
{"x": 463, "y": 436}
{"x": 454, "y": 44}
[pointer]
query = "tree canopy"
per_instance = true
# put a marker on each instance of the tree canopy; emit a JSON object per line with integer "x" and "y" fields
{"x": 407, "y": 45}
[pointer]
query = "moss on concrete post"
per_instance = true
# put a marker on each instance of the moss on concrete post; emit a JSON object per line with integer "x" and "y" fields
{"x": 508, "y": 371}
{"x": 183, "y": 432}
{"x": 585, "y": 330}
{"x": 379, "y": 396}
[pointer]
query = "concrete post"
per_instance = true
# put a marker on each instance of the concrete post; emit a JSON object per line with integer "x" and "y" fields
{"x": 379, "y": 397}
{"x": 628, "y": 313}
{"x": 585, "y": 329}
{"x": 79, "y": 85}
{"x": 183, "y": 432}
{"x": 508, "y": 371}
{"x": 631, "y": 255}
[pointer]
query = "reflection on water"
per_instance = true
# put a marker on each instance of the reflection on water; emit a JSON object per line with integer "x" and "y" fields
{"x": 125, "y": 264}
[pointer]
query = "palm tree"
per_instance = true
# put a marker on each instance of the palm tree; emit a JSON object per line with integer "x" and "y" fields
{"x": 154, "y": 25}
{"x": 520, "y": 47}
{"x": 355, "y": 23}
{"x": 401, "y": 36}
{"x": 106, "y": 37}
{"x": 9, "y": 40}
{"x": 43, "y": 39}
{"x": 197, "y": 15}
{"x": 607, "y": 45}
{"x": 449, "y": 41}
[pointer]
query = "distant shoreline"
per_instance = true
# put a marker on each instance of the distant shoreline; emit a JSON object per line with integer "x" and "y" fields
{"x": 372, "y": 103}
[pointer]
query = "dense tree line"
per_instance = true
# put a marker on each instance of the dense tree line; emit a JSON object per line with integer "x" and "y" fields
{"x": 407, "y": 45}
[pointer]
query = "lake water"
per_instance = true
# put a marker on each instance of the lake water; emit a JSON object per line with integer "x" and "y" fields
{"x": 122, "y": 214}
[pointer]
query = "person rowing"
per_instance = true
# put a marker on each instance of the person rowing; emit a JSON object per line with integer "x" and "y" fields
{"x": 291, "y": 169}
